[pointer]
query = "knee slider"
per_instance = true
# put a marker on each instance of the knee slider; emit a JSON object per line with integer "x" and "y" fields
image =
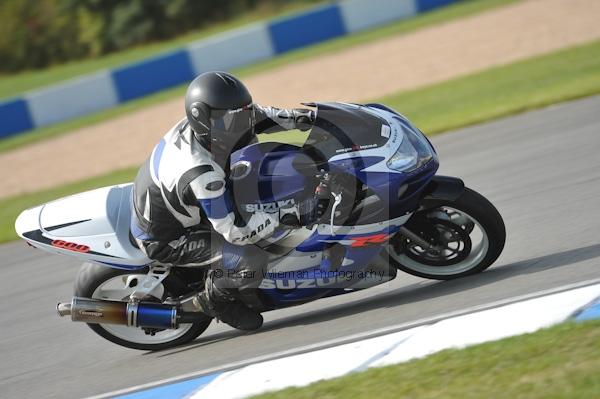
{"x": 247, "y": 257}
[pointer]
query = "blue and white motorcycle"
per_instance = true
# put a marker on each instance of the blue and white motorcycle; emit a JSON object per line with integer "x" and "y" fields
{"x": 381, "y": 209}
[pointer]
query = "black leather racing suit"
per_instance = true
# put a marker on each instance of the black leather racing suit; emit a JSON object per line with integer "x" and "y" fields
{"x": 184, "y": 212}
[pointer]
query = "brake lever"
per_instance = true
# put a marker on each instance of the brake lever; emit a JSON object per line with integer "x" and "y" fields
{"x": 337, "y": 199}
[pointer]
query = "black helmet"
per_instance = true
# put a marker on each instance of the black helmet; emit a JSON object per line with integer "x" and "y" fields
{"x": 219, "y": 109}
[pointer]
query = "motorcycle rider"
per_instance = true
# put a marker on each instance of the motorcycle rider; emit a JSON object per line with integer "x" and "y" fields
{"x": 184, "y": 210}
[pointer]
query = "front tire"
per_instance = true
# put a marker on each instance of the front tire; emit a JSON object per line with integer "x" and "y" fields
{"x": 101, "y": 282}
{"x": 472, "y": 225}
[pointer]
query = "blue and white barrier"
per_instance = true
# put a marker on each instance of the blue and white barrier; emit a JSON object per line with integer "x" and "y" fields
{"x": 418, "y": 339}
{"x": 233, "y": 49}
{"x": 236, "y": 48}
{"x": 71, "y": 99}
{"x": 358, "y": 14}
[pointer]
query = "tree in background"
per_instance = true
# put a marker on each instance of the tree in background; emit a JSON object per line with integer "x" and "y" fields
{"x": 39, "y": 33}
{"x": 109, "y": 25}
{"x": 35, "y": 32}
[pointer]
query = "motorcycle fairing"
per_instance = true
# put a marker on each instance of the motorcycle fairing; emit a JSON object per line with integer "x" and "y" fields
{"x": 341, "y": 128}
{"x": 278, "y": 173}
{"x": 93, "y": 226}
{"x": 270, "y": 175}
{"x": 300, "y": 279}
{"x": 399, "y": 191}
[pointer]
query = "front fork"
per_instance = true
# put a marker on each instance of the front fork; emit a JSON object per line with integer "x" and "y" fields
{"x": 439, "y": 191}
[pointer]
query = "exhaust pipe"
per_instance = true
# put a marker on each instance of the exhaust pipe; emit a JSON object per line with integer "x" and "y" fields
{"x": 131, "y": 314}
{"x": 63, "y": 309}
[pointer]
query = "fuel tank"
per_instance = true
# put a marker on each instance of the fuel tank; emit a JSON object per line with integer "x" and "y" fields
{"x": 267, "y": 176}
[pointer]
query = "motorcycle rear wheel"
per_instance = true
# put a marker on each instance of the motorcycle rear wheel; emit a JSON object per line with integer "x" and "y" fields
{"x": 469, "y": 235}
{"x": 101, "y": 282}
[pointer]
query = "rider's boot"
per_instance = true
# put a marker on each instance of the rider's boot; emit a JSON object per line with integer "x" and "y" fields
{"x": 226, "y": 308}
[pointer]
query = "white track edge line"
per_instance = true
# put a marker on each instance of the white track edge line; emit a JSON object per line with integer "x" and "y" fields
{"x": 349, "y": 338}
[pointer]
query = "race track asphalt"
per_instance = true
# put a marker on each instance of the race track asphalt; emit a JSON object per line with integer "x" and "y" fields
{"x": 541, "y": 169}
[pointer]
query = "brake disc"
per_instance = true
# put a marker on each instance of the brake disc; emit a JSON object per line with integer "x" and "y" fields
{"x": 450, "y": 243}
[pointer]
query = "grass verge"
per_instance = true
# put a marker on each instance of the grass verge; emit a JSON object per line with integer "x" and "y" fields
{"x": 559, "y": 362}
{"x": 500, "y": 91}
{"x": 455, "y": 11}
{"x": 529, "y": 84}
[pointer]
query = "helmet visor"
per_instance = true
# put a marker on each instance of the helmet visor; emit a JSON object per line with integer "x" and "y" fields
{"x": 230, "y": 130}
{"x": 231, "y": 122}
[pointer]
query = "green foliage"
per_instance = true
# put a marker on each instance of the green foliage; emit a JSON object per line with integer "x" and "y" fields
{"x": 32, "y": 32}
{"x": 39, "y": 33}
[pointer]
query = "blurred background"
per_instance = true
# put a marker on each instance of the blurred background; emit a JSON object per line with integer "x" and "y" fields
{"x": 87, "y": 88}
{"x": 39, "y": 34}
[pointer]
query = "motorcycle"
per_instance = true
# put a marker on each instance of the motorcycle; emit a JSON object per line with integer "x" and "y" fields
{"x": 381, "y": 208}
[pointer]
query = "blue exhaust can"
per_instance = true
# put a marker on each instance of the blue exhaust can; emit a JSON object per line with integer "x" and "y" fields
{"x": 157, "y": 316}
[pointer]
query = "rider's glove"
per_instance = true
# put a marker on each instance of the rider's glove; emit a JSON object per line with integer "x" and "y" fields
{"x": 300, "y": 215}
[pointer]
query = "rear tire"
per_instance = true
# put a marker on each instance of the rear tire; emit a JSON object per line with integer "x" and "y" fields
{"x": 484, "y": 216}
{"x": 91, "y": 276}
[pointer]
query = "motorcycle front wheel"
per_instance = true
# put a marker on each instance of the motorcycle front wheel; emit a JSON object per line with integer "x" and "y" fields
{"x": 465, "y": 237}
{"x": 101, "y": 282}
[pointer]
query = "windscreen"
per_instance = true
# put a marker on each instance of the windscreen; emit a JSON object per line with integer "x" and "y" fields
{"x": 340, "y": 128}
